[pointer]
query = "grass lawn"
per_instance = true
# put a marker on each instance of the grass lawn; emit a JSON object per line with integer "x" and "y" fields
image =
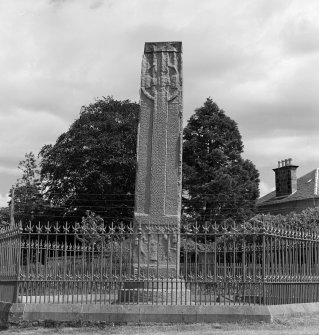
{"x": 308, "y": 324}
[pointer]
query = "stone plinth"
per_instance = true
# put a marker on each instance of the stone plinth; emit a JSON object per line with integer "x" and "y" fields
{"x": 156, "y": 292}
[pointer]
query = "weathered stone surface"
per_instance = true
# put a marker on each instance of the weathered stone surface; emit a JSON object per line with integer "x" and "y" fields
{"x": 153, "y": 296}
{"x": 172, "y": 292}
{"x": 139, "y": 313}
{"x": 159, "y": 171}
{"x": 21, "y": 313}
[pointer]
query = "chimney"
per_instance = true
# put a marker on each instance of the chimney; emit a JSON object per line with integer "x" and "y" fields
{"x": 286, "y": 178}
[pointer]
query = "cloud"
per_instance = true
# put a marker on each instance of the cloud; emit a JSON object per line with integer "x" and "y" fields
{"x": 300, "y": 32}
{"x": 256, "y": 59}
{"x": 96, "y": 4}
{"x": 23, "y": 128}
{"x": 301, "y": 37}
{"x": 265, "y": 188}
{"x": 22, "y": 131}
{"x": 278, "y": 146}
{"x": 4, "y": 200}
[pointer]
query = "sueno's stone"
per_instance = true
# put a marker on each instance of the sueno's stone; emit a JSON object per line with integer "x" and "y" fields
{"x": 159, "y": 160}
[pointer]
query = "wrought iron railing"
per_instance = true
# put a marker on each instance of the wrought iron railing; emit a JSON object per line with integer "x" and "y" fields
{"x": 253, "y": 263}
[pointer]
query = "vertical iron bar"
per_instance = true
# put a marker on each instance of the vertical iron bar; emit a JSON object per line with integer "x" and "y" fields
{"x": 263, "y": 268}
{"x": 244, "y": 267}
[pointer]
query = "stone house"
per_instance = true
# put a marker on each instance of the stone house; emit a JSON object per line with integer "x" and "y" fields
{"x": 292, "y": 194}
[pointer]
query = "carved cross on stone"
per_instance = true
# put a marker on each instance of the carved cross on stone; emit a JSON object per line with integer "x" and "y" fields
{"x": 159, "y": 151}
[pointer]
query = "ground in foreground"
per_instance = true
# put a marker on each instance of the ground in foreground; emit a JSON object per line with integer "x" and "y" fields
{"x": 308, "y": 324}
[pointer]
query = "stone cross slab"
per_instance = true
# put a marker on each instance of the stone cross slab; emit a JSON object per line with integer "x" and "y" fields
{"x": 159, "y": 149}
{"x": 159, "y": 153}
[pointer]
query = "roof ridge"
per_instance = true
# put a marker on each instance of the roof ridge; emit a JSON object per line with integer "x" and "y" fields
{"x": 311, "y": 171}
{"x": 316, "y": 182}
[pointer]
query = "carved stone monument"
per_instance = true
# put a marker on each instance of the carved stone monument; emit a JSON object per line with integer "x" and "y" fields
{"x": 159, "y": 160}
{"x": 156, "y": 250}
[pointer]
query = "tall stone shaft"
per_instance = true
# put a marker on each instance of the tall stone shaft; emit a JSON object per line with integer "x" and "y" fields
{"x": 159, "y": 171}
{"x": 159, "y": 149}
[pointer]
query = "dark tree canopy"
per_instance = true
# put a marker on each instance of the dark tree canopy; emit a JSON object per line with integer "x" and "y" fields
{"x": 217, "y": 181}
{"x": 4, "y": 216}
{"x": 92, "y": 165}
{"x": 28, "y": 201}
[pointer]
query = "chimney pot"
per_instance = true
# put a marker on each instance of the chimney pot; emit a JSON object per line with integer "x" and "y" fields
{"x": 279, "y": 164}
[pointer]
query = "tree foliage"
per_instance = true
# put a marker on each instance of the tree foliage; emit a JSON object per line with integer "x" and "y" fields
{"x": 4, "y": 216}
{"x": 308, "y": 219}
{"x": 92, "y": 165}
{"x": 217, "y": 181}
{"x": 90, "y": 229}
{"x": 26, "y": 193}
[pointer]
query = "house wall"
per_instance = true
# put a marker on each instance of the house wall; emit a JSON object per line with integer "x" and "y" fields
{"x": 288, "y": 207}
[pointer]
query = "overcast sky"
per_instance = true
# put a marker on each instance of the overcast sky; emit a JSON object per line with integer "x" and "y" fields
{"x": 258, "y": 59}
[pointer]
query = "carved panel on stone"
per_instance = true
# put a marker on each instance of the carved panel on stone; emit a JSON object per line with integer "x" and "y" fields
{"x": 161, "y": 249}
{"x": 161, "y": 69}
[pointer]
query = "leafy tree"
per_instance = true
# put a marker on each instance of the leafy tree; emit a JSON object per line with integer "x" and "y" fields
{"x": 4, "y": 216}
{"x": 92, "y": 165}
{"x": 306, "y": 220}
{"x": 26, "y": 193}
{"x": 217, "y": 181}
{"x": 90, "y": 229}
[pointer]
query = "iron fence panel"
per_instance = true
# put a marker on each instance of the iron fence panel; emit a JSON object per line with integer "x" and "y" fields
{"x": 253, "y": 263}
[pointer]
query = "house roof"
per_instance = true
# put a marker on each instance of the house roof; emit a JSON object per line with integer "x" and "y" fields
{"x": 307, "y": 188}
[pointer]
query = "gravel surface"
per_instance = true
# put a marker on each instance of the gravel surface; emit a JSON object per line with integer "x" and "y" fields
{"x": 299, "y": 325}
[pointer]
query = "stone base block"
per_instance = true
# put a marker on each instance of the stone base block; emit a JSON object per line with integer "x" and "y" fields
{"x": 154, "y": 296}
{"x": 160, "y": 284}
{"x": 161, "y": 271}
{"x": 19, "y": 314}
